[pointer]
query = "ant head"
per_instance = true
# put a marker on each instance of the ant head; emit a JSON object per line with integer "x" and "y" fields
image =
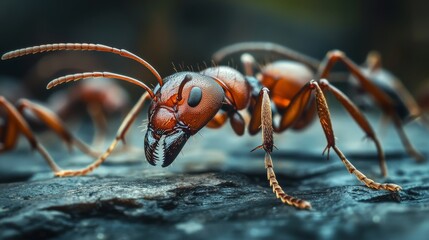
{"x": 183, "y": 105}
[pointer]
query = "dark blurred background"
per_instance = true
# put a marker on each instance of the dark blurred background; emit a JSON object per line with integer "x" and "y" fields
{"x": 187, "y": 33}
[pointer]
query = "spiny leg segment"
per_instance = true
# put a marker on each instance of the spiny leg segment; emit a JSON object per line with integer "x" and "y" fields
{"x": 325, "y": 120}
{"x": 359, "y": 118}
{"x": 267, "y": 145}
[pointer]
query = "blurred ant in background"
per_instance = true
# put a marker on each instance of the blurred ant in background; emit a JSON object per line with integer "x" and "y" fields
{"x": 99, "y": 100}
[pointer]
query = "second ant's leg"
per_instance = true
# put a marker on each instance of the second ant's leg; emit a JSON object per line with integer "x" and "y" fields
{"x": 249, "y": 63}
{"x": 54, "y": 123}
{"x": 267, "y": 145}
{"x": 325, "y": 121}
{"x": 9, "y": 132}
{"x": 359, "y": 118}
{"x": 120, "y": 135}
{"x": 18, "y": 124}
{"x": 335, "y": 56}
{"x": 405, "y": 141}
{"x": 99, "y": 120}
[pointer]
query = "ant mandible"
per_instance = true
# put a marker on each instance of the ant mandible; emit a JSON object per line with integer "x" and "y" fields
{"x": 185, "y": 102}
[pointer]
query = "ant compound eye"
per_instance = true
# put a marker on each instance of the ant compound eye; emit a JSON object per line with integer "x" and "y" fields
{"x": 195, "y": 96}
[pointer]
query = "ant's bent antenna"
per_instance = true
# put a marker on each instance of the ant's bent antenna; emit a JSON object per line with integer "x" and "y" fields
{"x": 79, "y": 76}
{"x": 81, "y": 47}
{"x": 182, "y": 85}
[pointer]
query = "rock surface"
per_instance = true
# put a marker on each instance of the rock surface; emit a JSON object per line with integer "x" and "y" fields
{"x": 218, "y": 190}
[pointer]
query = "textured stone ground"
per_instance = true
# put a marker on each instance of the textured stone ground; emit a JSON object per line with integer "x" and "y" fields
{"x": 218, "y": 190}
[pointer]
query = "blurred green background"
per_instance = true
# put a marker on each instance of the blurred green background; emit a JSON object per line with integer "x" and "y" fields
{"x": 188, "y": 32}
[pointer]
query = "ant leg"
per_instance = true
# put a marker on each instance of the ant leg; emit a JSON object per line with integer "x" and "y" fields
{"x": 249, "y": 63}
{"x": 235, "y": 119}
{"x": 385, "y": 102}
{"x": 120, "y": 136}
{"x": 405, "y": 141}
{"x": 325, "y": 121}
{"x": 218, "y": 120}
{"x": 100, "y": 124}
{"x": 364, "y": 179}
{"x": 297, "y": 108}
{"x": 54, "y": 122}
{"x": 237, "y": 122}
{"x": 359, "y": 119}
{"x": 255, "y": 119}
{"x": 267, "y": 145}
{"x": 373, "y": 61}
{"x": 9, "y": 130}
{"x": 16, "y": 123}
{"x": 333, "y": 57}
{"x": 293, "y": 112}
{"x": 307, "y": 116}
{"x": 299, "y": 103}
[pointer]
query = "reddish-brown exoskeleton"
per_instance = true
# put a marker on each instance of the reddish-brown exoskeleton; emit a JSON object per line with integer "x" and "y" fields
{"x": 384, "y": 88}
{"x": 185, "y": 102}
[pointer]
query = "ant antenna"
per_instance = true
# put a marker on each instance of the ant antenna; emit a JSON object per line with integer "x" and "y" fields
{"x": 81, "y": 47}
{"x": 182, "y": 85}
{"x": 79, "y": 76}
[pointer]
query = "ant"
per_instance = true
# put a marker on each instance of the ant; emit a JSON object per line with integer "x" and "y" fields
{"x": 396, "y": 103}
{"x": 185, "y": 102}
